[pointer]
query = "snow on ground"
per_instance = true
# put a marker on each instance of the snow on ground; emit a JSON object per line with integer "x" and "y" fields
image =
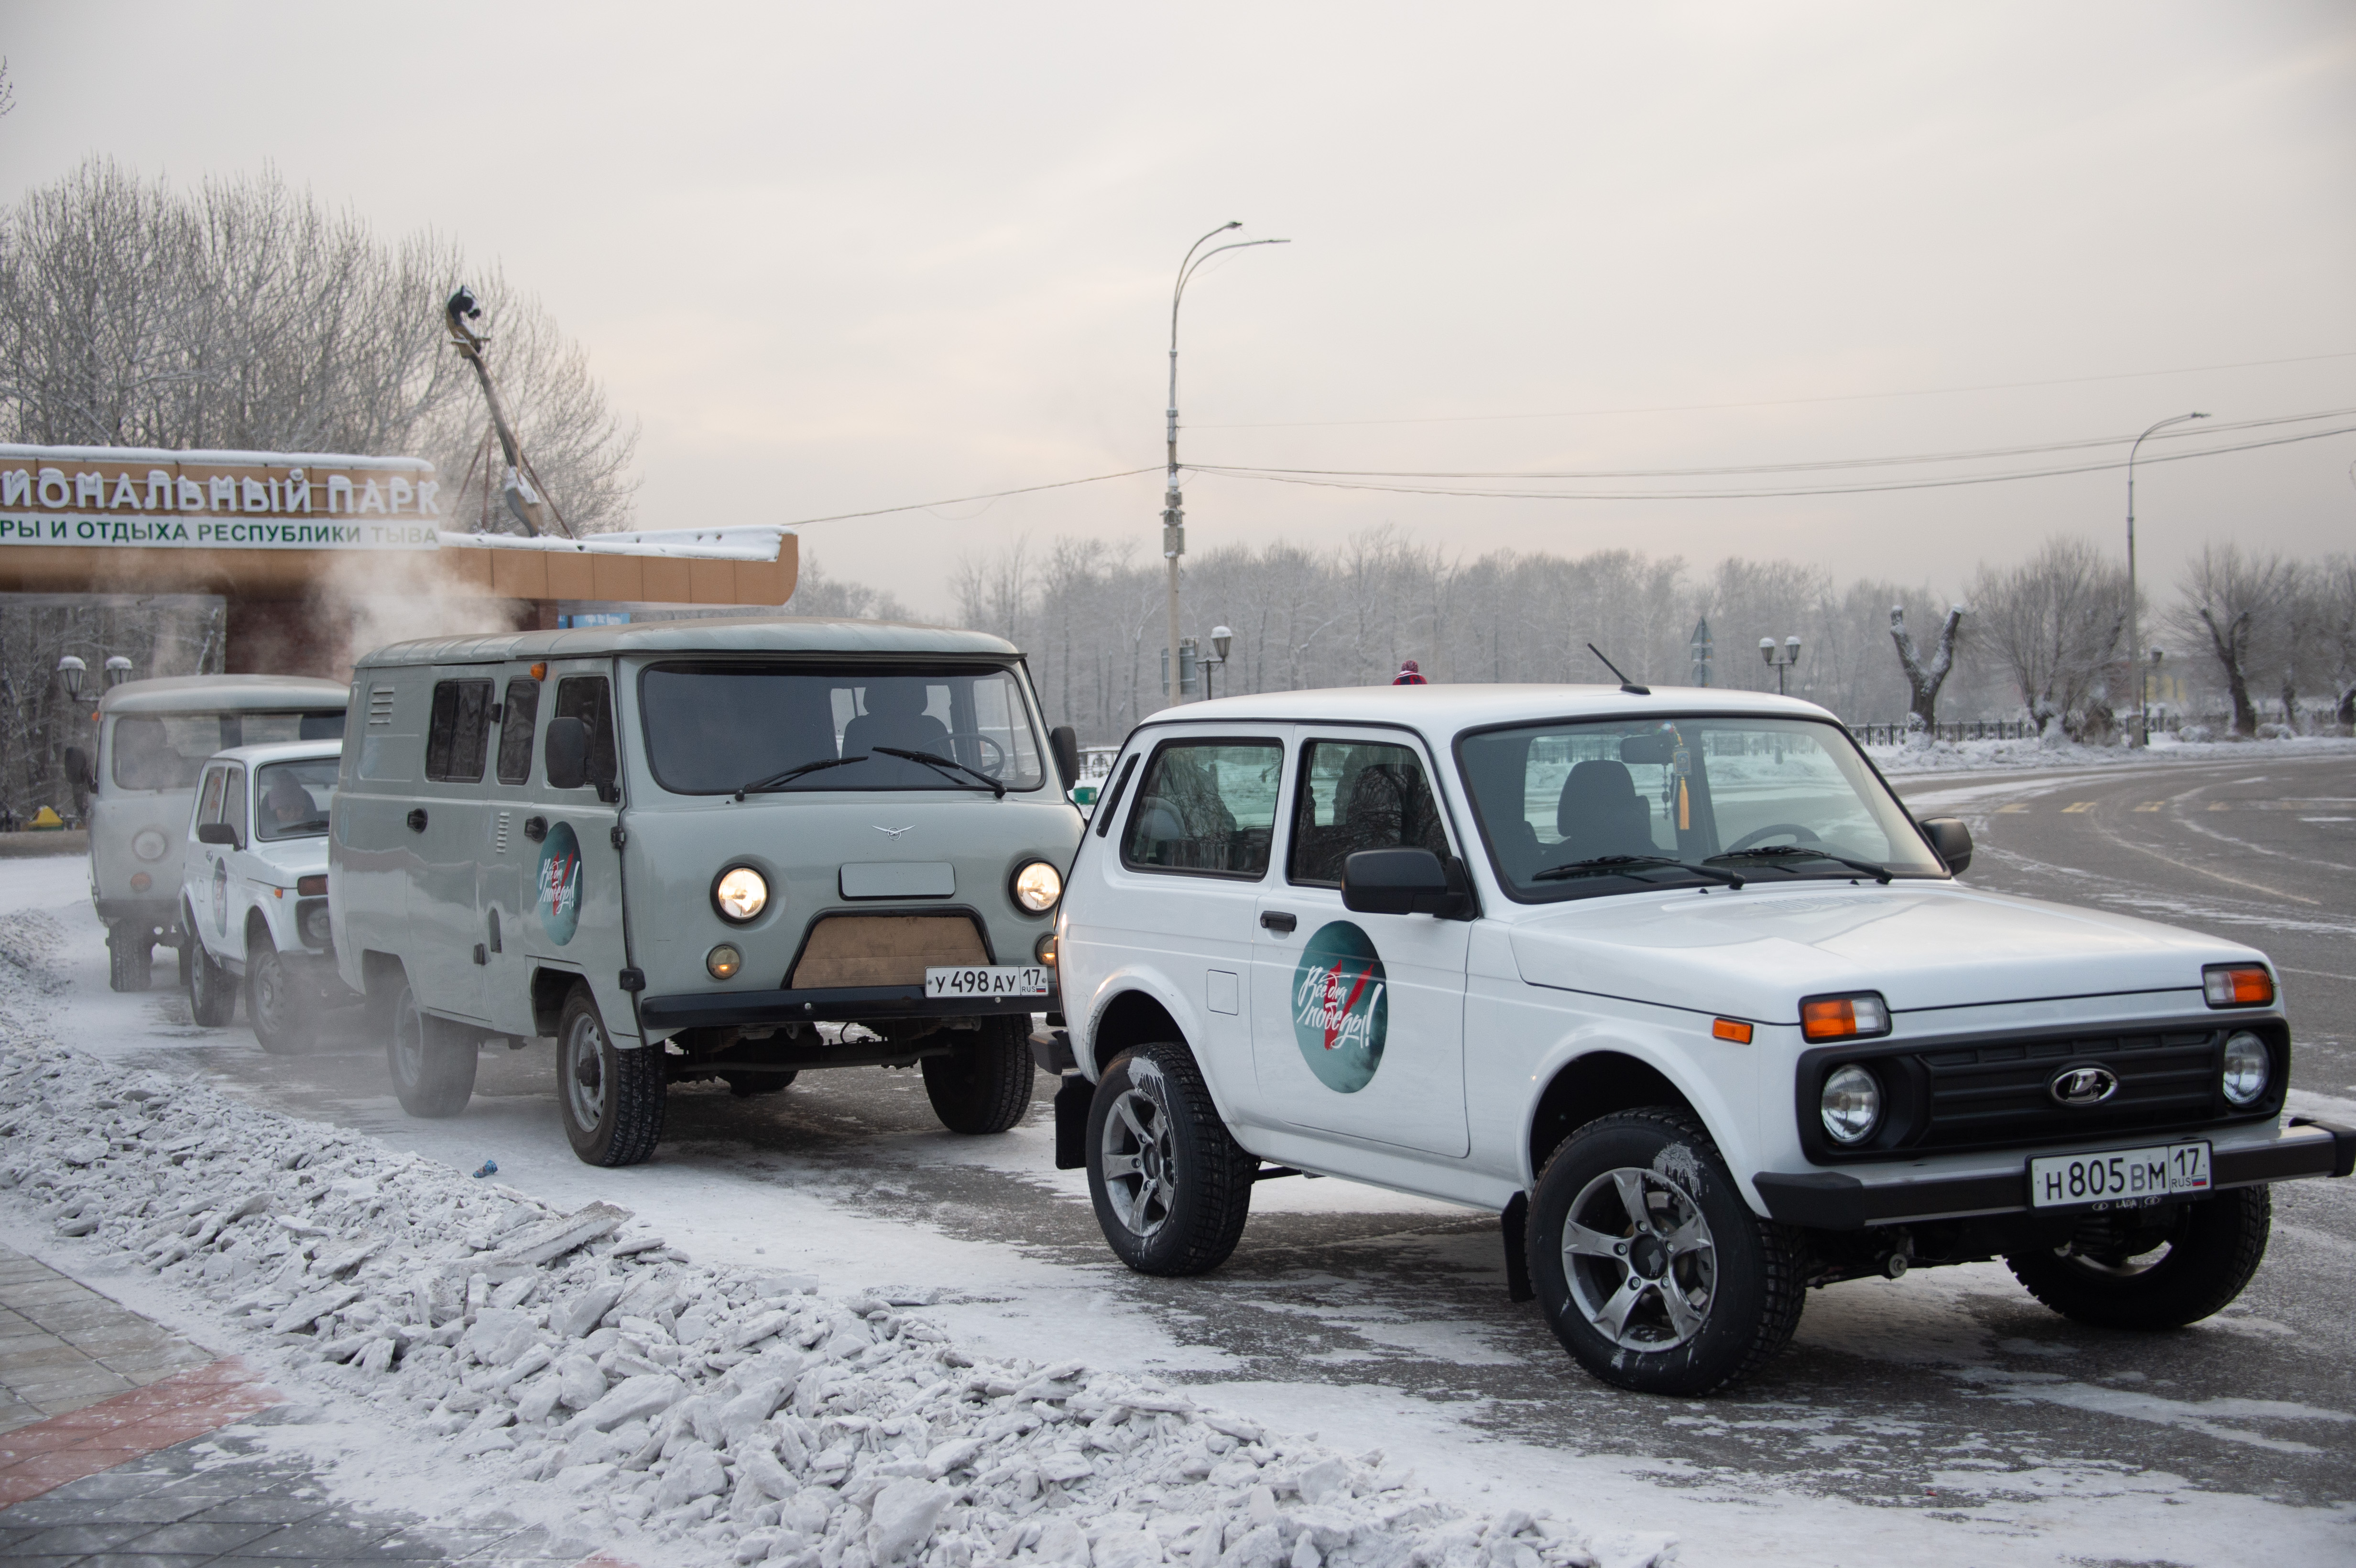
{"x": 1987, "y": 756}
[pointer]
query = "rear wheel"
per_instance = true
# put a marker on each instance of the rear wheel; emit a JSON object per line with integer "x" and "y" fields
{"x": 130, "y": 956}
{"x": 2118, "y": 1272}
{"x": 612, "y": 1100}
{"x": 212, "y": 992}
{"x": 276, "y": 1004}
{"x": 432, "y": 1060}
{"x": 984, "y": 1087}
{"x": 1172, "y": 1187}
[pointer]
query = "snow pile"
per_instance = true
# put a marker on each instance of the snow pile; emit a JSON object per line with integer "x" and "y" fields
{"x": 741, "y": 1416}
{"x": 1991, "y": 756}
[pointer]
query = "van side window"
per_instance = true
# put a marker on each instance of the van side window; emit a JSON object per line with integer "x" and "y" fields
{"x": 459, "y": 732}
{"x": 584, "y": 697}
{"x": 233, "y": 800}
{"x": 208, "y": 803}
{"x": 1206, "y": 807}
{"x": 516, "y": 716}
{"x": 1355, "y": 796}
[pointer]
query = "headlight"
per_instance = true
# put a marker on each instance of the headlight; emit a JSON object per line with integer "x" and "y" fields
{"x": 2248, "y": 1066}
{"x": 1037, "y": 886}
{"x": 149, "y": 844}
{"x": 317, "y": 933}
{"x": 2237, "y": 984}
{"x": 1852, "y": 1104}
{"x": 722, "y": 962}
{"x": 740, "y": 894}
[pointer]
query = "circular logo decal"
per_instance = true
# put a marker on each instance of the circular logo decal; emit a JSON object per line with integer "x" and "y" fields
{"x": 221, "y": 896}
{"x": 1340, "y": 1013}
{"x": 559, "y": 899}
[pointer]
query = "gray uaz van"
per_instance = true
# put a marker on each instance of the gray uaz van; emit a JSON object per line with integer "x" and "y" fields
{"x": 682, "y": 848}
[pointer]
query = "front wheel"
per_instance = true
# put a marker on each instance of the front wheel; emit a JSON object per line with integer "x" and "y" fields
{"x": 1652, "y": 1271}
{"x": 2118, "y": 1272}
{"x": 612, "y": 1099}
{"x": 212, "y": 991}
{"x": 130, "y": 956}
{"x": 276, "y": 1004}
{"x": 983, "y": 1086}
{"x": 1171, "y": 1187}
{"x": 432, "y": 1062}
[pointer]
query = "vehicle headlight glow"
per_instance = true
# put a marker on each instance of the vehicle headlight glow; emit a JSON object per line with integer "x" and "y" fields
{"x": 1851, "y": 1105}
{"x": 2248, "y": 1068}
{"x": 740, "y": 894}
{"x": 1037, "y": 886}
{"x": 149, "y": 844}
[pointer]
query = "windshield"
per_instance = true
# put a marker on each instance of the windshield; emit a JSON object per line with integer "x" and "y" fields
{"x": 716, "y": 729}
{"x": 1576, "y": 810}
{"x": 291, "y": 799}
{"x": 167, "y": 750}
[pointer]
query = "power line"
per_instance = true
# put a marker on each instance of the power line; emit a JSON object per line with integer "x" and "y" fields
{"x": 1785, "y": 402}
{"x": 957, "y": 500}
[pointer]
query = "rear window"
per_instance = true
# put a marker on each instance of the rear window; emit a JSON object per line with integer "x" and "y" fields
{"x": 1206, "y": 807}
{"x": 167, "y": 750}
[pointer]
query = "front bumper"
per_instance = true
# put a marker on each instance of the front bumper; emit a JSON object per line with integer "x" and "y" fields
{"x": 721, "y": 1010}
{"x": 1841, "y": 1200}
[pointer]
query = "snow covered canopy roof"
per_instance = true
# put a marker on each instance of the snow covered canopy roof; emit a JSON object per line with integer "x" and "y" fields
{"x": 224, "y": 694}
{"x": 716, "y": 634}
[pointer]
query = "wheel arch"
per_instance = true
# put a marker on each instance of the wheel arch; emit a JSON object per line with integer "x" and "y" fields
{"x": 549, "y": 989}
{"x": 1607, "y": 1078}
{"x": 1131, "y": 1015}
{"x": 257, "y": 921}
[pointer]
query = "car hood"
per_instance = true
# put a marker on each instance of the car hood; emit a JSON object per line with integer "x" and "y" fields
{"x": 1753, "y": 954}
{"x": 283, "y": 859}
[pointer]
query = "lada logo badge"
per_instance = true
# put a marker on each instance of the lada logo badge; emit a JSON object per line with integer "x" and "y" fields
{"x": 2077, "y": 1086}
{"x": 894, "y": 832}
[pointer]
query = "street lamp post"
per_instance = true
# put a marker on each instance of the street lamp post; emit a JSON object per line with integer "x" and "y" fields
{"x": 1173, "y": 514}
{"x": 1782, "y": 666}
{"x": 1222, "y": 640}
{"x": 2142, "y": 736}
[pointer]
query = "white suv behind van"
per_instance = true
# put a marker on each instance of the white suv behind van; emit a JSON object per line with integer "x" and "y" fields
{"x": 1672, "y": 981}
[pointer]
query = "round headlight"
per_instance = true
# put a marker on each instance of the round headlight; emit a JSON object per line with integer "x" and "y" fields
{"x": 1852, "y": 1104}
{"x": 722, "y": 962}
{"x": 740, "y": 894}
{"x": 1037, "y": 886}
{"x": 149, "y": 844}
{"x": 2248, "y": 1066}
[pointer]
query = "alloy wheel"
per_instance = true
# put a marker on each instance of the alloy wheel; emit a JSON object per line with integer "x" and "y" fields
{"x": 1641, "y": 1264}
{"x": 1140, "y": 1172}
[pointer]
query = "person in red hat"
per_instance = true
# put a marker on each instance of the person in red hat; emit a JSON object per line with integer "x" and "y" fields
{"x": 1409, "y": 674}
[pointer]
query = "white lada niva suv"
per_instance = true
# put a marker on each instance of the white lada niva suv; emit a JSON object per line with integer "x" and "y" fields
{"x": 1674, "y": 982}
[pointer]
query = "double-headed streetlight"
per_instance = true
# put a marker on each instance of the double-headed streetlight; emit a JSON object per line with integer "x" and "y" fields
{"x": 1782, "y": 666}
{"x": 2142, "y": 736}
{"x": 1174, "y": 515}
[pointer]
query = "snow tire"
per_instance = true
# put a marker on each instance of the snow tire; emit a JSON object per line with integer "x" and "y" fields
{"x": 277, "y": 1004}
{"x": 985, "y": 1086}
{"x": 130, "y": 958}
{"x": 612, "y": 1100}
{"x": 1171, "y": 1185}
{"x": 212, "y": 992}
{"x": 431, "y": 1059}
{"x": 2214, "y": 1246}
{"x": 1697, "y": 1236}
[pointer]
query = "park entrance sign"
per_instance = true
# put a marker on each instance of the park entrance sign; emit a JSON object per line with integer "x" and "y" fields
{"x": 129, "y": 497}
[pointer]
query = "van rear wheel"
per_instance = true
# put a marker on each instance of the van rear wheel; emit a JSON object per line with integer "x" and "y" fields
{"x": 612, "y": 1100}
{"x": 432, "y": 1061}
{"x": 130, "y": 956}
{"x": 983, "y": 1087}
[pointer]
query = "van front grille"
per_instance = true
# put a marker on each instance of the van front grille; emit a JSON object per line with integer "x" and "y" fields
{"x": 846, "y": 950}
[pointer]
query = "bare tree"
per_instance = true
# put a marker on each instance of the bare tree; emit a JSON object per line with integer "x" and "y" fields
{"x": 2055, "y": 625}
{"x": 2229, "y": 600}
{"x": 1925, "y": 677}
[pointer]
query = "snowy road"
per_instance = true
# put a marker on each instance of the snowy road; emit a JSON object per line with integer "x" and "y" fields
{"x": 1945, "y": 1416}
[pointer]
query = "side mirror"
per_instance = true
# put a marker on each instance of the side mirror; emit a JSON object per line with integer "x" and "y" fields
{"x": 1064, "y": 741}
{"x": 568, "y": 754}
{"x": 1953, "y": 840}
{"x": 217, "y": 833}
{"x": 77, "y": 770}
{"x": 1405, "y": 881}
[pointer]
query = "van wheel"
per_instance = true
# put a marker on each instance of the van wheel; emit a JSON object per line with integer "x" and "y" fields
{"x": 130, "y": 956}
{"x": 1652, "y": 1271}
{"x": 612, "y": 1099}
{"x": 2116, "y": 1274}
{"x": 432, "y": 1061}
{"x": 212, "y": 993}
{"x": 984, "y": 1087}
{"x": 1172, "y": 1187}
{"x": 745, "y": 1085}
{"x": 276, "y": 1004}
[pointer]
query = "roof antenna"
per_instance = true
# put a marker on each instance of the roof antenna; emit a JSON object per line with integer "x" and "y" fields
{"x": 1630, "y": 686}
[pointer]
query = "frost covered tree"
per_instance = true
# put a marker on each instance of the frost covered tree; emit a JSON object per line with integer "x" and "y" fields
{"x": 1924, "y": 677}
{"x": 2227, "y": 600}
{"x": 2057, "y": 624}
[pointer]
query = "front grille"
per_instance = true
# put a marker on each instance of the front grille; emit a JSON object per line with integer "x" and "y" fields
{"x": 1957, "y": 1096}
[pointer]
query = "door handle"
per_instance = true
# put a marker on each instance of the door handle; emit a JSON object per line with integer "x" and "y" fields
{"x": 416, "y": 819}
{"x": 1278, "y": 921}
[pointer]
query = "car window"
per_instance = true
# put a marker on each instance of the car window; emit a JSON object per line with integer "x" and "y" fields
{"x": 1206, "y": 807}
{"x": 459, "y": 732}
{"x": 168, "y": 751}
{"x": 1355, "y": 796}
{"x": 584, "y": 697}
{"x": 516, "y": 718}
{"x": 292, "y": 799}
{"x": 208, "y": 803}
{"x": 233, "y": 800}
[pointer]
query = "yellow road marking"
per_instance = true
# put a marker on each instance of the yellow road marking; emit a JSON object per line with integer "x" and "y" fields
{"x": 2078, "y": 806}
{"x": 2012, "y": 810}
{"x": 2220, "y": 805}
{"x": 2151, "y": 806}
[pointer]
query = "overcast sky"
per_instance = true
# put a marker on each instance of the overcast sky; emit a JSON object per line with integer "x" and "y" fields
{"x": 839, "y": 258}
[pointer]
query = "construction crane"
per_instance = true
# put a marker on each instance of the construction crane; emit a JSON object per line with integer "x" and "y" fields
{"x": 520, "y": 490}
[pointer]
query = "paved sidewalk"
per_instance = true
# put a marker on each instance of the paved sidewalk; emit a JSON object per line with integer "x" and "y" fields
{"x": 64, "y": 1346}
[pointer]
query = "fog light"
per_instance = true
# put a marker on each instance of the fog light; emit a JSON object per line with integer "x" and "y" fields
{"x": 141, "y": 881}
{"x": 149, "y": 844}
{"x": 1037, "y": 886}
{"x": 740, "y": 894}
{"x": 1852, "y": 1104}
{"x": 722, "y": 962}
{"x": 1045, "y": 951}
{"x": 2248, "y": 1067}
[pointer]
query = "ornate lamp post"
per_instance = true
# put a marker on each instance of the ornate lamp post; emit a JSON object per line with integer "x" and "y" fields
{"x": 1781, "y": 666}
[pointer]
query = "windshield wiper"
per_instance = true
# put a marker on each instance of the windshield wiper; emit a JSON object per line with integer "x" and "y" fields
{"x": 1603, "y": 865}
{"x": 774, "y": 779}
{"x": 994, "y": 787}
{"x": 1774, "y": 851}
